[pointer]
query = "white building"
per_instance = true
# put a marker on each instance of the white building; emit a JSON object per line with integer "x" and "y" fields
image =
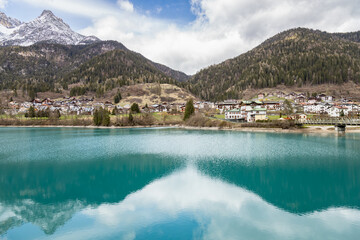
{"x": 246, "y": 113}
{"x": 336, "y": 111}
{"x": 234, "y": 114}
{"x": 318, "y": 108}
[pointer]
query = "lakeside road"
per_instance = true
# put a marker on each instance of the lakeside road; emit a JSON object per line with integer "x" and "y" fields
{"x": 309, "y": 129}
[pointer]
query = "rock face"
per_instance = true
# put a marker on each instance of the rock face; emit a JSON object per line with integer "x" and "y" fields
{"x": 8, "y": 22}
{"x": 46, "y": 28}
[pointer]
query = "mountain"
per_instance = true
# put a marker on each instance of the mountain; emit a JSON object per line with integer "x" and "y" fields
{"x": 177, "y": 75}
{"x": 98, "y": 67}
{"x": 42, "y": 54}
{"x": 46, "y": 28}
{"x": 46, "y": 61}
{"x": 116, "y": 69}
{"x": 8, "y": 22}
{"x": 294, "y": 58}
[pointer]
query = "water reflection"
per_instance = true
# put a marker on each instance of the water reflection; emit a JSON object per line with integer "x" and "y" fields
{"x": 48, "y": 193}
{"x": 196, "y": 206}
{"x": 298, "y": 187}
{"x": 152, "y": 184}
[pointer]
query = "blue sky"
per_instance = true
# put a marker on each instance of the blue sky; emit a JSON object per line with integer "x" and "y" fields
{"x": 189, "y": 35}
{"x": 176, "y": 11}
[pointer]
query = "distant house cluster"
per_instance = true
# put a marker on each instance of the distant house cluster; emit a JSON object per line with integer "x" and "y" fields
{"x": 300, "y": 103}
{"x": 247, "y": 111}
{"x": 85, "y": 106}
{"x": 258, "y": 109}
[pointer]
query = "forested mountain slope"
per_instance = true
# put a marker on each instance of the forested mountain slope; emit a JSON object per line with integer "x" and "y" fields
{"x": 294, "y": 57}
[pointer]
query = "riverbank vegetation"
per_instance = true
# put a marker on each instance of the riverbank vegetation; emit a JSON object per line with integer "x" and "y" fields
{"x": 105, "y": 119}
{"x": 101, "y": 118}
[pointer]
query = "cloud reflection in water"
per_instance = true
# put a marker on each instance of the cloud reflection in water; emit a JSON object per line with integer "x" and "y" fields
{"x": 220, "y": 210}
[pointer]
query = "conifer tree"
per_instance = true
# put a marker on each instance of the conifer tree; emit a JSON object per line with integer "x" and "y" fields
{"x": 131, "y": 118}
{"x": 31, "y": 112}
{"x": 135, "y": 108}
{"x": 117, "y": 97}
{"x": 101, "y": 117}
{"x": 189, "y": 109}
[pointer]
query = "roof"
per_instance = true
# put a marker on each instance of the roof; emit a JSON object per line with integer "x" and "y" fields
{"x": 259, "y": 109}
{"x": 234, "y": 110}
{"x": 246, "y": 102}
{"x": 271, "y": 102}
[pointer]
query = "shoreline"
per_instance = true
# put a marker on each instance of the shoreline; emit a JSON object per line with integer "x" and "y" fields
{"x": 310, "y": 129}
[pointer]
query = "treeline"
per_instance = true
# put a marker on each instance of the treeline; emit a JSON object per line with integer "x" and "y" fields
{"x": 115, "y": 69}
{"x": 31, "y": 113}
{"x": 97, "y": 68}
{"x": 77, "y": 91}
{"x": 293, "y": 58}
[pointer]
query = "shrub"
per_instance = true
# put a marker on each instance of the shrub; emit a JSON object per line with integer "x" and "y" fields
{"x": 198, "y": 120}
{"x": 131, "y": 119}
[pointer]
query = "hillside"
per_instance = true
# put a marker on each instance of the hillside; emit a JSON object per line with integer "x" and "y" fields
{"x": 152, "y": 93}
{"x": 47, "y": 67}
{"x": 295, "y": 57}
{"x": 40, "y": 66}
{"x": 146, "y": 93}
{"x": 115, "y": 69}
{"x": 347, "y": 90}
{"x": 351, "y": 36}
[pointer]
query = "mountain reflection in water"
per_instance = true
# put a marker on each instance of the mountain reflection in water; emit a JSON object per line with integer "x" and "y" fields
{"x": 152, "y": 184}
{"x": 188, "y": 204}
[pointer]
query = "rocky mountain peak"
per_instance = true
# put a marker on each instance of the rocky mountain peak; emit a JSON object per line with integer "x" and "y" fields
{"x": 48, "y": 18}
{"x": 8, "y": 22}
{"x": 45, "y": 28}
{"x": 47, "y": 13}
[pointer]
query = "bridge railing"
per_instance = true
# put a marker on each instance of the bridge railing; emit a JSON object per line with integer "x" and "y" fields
{"x": 329, "y": 121}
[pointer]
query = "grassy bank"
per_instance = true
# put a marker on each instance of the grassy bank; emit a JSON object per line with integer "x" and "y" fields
{"x": 68, "y": 121}
{"x": 143, "y": 119}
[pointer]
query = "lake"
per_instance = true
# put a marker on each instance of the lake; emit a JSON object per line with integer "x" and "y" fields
{"x": 168, "y": 183}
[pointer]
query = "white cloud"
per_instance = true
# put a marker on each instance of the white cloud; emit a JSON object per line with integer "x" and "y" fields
{"x": 222, "y": 28}
{"x": 226, "y": 28}
{"x": 126, "y": 5}
{"x": 3, "y": 3}
{"x": 222, "y": 210}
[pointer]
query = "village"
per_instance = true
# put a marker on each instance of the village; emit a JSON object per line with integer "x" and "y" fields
{"x": 288, "y": 106}
{"x": 264, "y": 106}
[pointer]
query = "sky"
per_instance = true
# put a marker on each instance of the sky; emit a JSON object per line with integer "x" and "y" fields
{"x": 189, "y": 35}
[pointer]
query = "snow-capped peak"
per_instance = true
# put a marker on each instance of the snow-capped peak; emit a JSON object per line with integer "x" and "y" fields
{"x": 47, "y": 13}
{"x": 8, "y": 22}
{"x": 45, "y": 28}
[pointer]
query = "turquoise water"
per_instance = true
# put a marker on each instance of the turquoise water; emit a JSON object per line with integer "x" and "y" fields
{"x": 74, "y": 183}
